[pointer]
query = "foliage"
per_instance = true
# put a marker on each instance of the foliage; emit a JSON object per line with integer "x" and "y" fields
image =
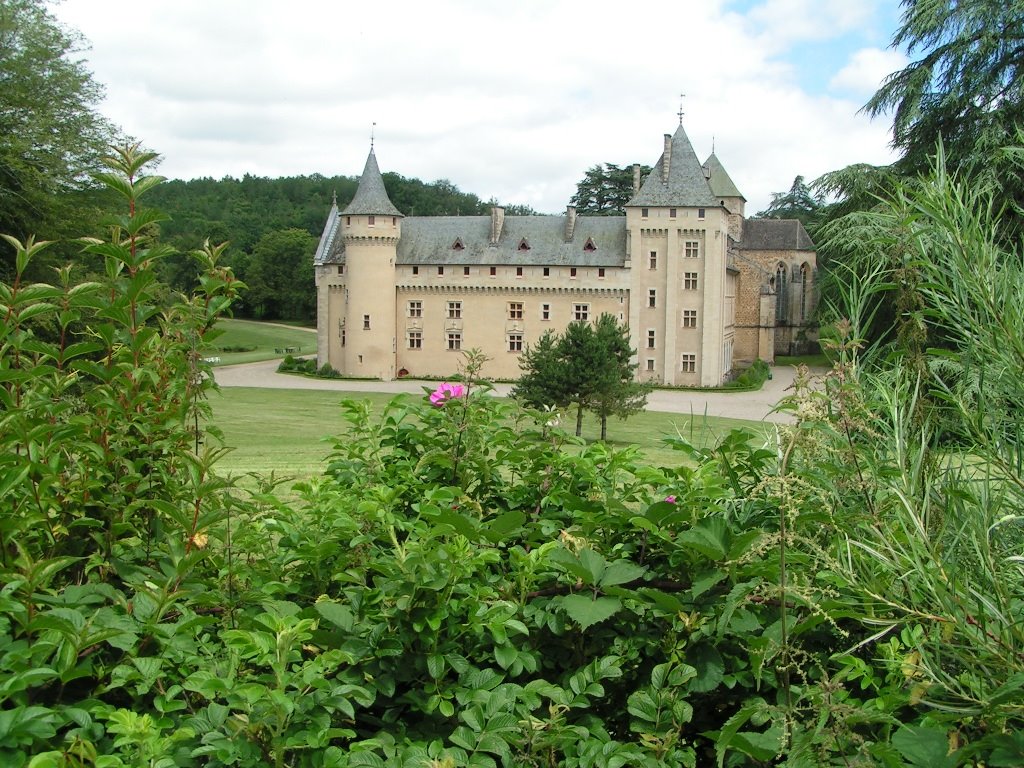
{"x": 50, "y": 132}
{"x": 587, "y": 365}
{"x": 605, "y": 189}
{"x": 800, "y": 203}
{"x": 279, "y": 275}
{"x": 468, "y": 585}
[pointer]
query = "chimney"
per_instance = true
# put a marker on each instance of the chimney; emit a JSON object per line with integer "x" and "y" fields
{"x": 497, "y": 222}
{"x": 570, "y": 222}
{"x": 666, "y": 158}
{"x": 636, "y": 178}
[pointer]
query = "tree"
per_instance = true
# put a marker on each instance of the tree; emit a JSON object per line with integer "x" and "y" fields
{"x": 605, "y": 190}
{"x": 615, "y": 390}
{"x": 589, "y": 366}
{"x": 799, "y": 203}
{"x": 967, "y": 85}
{"x": 279, "y": 274}
{"x": 50, "y": 133}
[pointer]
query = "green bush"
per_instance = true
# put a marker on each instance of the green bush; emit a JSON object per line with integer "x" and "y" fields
{"x": 468, "y": 585}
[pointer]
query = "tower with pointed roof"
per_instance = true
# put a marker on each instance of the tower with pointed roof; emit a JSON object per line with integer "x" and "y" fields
{"x": 703, "y": 290}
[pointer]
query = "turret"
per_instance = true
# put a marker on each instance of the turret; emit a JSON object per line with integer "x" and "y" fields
{"x": 370, "y": 229}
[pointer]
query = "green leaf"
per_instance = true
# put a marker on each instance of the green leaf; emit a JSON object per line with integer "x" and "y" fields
{"x": 621, "y": 572}
{"x": 925, "y": 746}
{"x": 708, "y": 537}
{"x": 710, "y": 667}
{"x": 337, "y": 614}
{"x": 586, "y": 611}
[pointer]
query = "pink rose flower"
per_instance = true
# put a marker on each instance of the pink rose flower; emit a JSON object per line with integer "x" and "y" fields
{"x": 446, "y": 391}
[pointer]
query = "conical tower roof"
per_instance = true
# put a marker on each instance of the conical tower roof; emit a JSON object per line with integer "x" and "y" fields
{"x": 719, "y": 181}
{"x": 371, "y": 198}
{"x": 677, "y": 179}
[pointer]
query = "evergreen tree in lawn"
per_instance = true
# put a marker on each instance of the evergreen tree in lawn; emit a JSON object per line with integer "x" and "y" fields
{"x": 615, "y": 390}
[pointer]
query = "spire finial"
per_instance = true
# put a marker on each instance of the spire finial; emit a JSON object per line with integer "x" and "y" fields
{"x": 681, "y": 113}
{"x": 712, "y": 144}
{"x": 334, "y": 198}
{"x": 373, "y": 127}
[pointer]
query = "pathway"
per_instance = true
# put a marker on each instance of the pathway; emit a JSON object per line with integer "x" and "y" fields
{"x": 755, "y": 406}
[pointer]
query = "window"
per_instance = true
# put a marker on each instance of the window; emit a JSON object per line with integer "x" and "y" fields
{"x": 600, "y": 272}
{"x": 454, "y": 310}
{"x": 589, "y": 246}
{"x": 524, "y": 245}
{"x": 457, "y": 245}
{"x": 781, "y": 294}
{"x": 572, "y": 272}
{"x": 545, "y": 311}
{"x": 394, "y": 221}
{"x": 644, "y": 212}
{"x": 689, "y": 318}
{"x": 415, "y": 309}
{"x": 652, "y": 297}
{"x": 343, "y": 337}
{"x": 804, "y": 279}
{"x": 494, "y": 271}
{"x": 415, "y": 339}
{"x": 547, "y": 271}
{"x": 454, "y": 341}
{"x": 465, "y": 271}
{"x": 671, "y": 213}
{"x": 519, "y": 271}
{"x": 650, "y": 338}
{"x": 580, "y": 311}
{"x": 689, "y": 281}
{"x": 341, "y": 269}
{"x": 691, "y": 248}
{"x": 515, "y": 310}
{"x": 440, "y": 270}
{"x": 653, "y": 260}
{"x": 415, "y": 270}
{"x": 700, "y": 213}
{"x": 688, "y": 363}
{"x": 650, "y": 364}
{"x": 515, "y": 342}
{"x": 370, "y": 221}
{"x": 366, "y": 322}
{"x": 348, "y": 221}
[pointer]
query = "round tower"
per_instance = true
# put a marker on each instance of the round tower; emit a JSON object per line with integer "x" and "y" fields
{"x": 370, "y": 228}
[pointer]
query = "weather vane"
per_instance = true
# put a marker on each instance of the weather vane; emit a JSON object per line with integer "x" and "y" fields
{"x": 372, "y": 129}
{"x": 681, "y": 113}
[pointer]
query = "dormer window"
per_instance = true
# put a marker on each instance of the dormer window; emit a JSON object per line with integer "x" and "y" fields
{"x": 524, "y": 245}
{"x": 589, "y": 246}
{"x": 457, "y": 245}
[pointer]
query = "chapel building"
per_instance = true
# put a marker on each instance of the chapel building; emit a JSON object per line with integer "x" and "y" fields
{"x": 704, "y": 290}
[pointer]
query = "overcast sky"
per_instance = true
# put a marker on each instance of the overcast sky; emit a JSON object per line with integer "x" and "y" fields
{"x": 512, "y": 100}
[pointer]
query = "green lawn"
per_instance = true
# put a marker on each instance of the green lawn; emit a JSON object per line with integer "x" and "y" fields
{"x": 265, "y": 337}
{"x": 284, "y": 431}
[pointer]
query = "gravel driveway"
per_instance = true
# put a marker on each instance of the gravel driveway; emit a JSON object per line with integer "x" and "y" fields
{"x": 755, "y": 406}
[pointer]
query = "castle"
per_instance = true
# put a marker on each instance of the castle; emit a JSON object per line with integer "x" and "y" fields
{"x": 704, "y": 290}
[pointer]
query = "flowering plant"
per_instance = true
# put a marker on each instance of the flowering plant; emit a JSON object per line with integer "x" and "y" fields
{"x": 446, "y": 391}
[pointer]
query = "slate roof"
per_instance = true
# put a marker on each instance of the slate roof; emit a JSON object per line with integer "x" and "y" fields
{"x": 371, "y": 198}
{"x": 775, "y": 235}
{"x": 325, "y": 248}
{"x": 429, "y": 240}
{"x": 719, "y": 181}
{"x": 685, "y": 186}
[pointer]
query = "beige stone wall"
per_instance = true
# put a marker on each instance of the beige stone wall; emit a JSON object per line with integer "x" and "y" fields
{"x": 488, "y": 318}
{"x": 370, "y": 246}
{"x": 795, "y": 333}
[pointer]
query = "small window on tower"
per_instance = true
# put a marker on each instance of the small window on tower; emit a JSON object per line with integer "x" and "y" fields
{"x": 519, "y": 271}
{"x": 644, "y": 212}
{"x": 547, "y": 271}
{"x": 366, "y": 322}
{"x": 370, "y": 220}
{"x": 600, "y": 272}
{"x": 440, "y": 270}
{"x": 700, "y": 213}
{"x": 671, "y": 213}
{"x": 494, "y": 271}
{"x": 415, "y": 270}
{"x": 572, "y": 272}
{"x": 465, "y": 271}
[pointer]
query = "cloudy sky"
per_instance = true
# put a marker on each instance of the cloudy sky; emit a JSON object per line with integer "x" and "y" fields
{"x": 512, "y": 100}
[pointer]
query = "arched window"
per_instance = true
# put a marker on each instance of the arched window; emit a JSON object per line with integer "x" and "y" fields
{"x": 805, "y": 279}
{"x": 780, "y": 295}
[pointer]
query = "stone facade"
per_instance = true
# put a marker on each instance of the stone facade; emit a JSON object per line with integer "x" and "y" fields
{"x": 703, "y": 290}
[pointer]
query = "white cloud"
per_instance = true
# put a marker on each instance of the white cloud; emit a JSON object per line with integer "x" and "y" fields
{"x": 512, "y": 101}
{"x": 866, "y": 70}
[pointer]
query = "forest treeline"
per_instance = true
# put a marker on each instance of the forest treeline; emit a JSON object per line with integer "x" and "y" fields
{"x": 272, "y": 226}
